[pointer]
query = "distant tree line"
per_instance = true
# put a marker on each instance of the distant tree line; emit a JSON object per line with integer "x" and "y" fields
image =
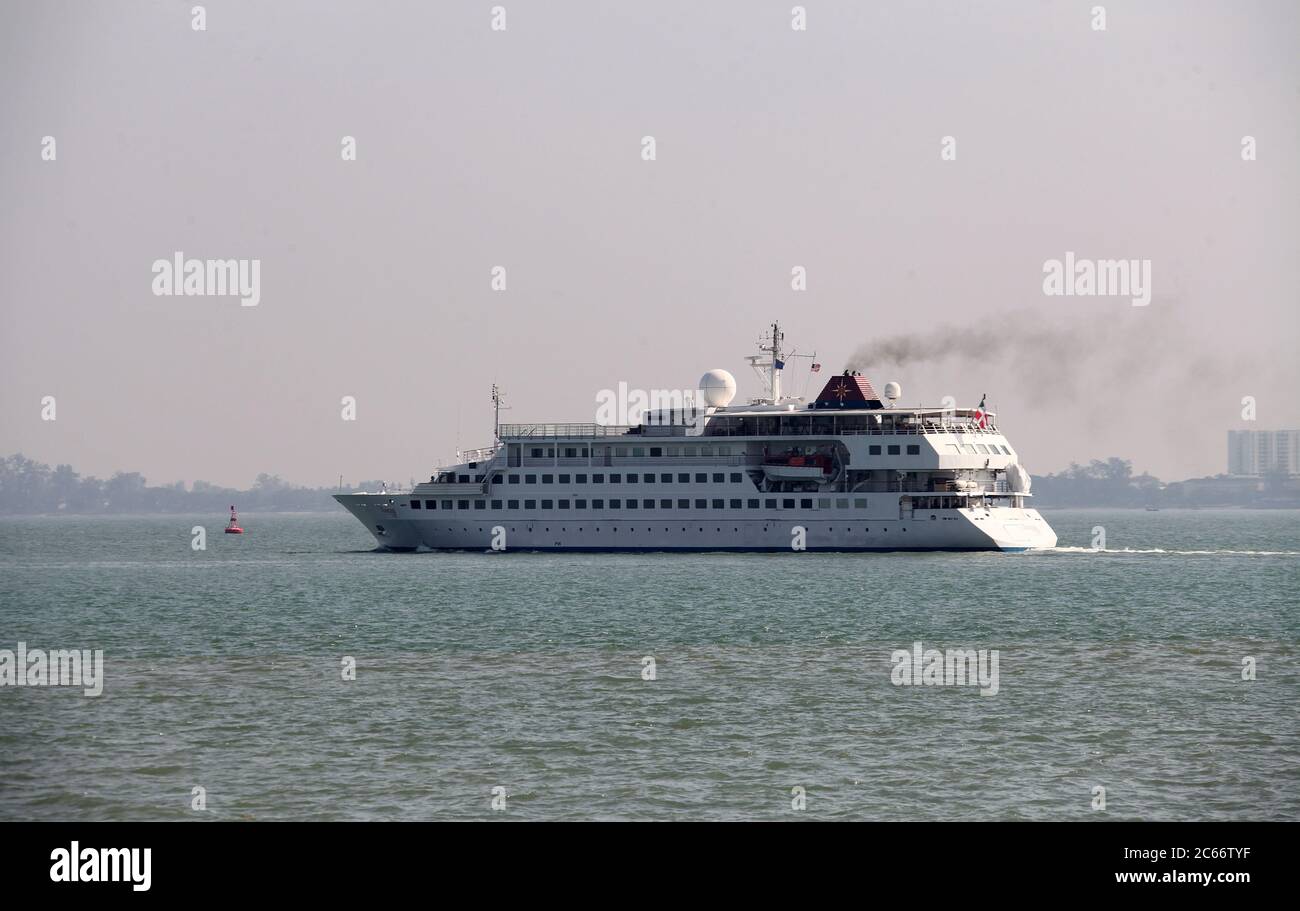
{"x": 28, "y": 487}
{"x": 1112, "y": 484}
{"x": 1108, "y": 483}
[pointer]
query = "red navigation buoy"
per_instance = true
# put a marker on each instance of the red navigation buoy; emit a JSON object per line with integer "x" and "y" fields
{"x": 233, "y": 528}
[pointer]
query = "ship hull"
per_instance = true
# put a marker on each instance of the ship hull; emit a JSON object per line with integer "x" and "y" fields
{"x": 395, "y": 528}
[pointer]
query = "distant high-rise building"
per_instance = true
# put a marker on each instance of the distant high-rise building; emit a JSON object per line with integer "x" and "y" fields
{"x": 1252, "y": 453}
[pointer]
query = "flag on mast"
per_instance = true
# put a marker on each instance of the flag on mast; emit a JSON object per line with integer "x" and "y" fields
{"x": 980, "y": 416}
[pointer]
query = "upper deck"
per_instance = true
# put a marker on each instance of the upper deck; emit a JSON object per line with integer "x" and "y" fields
{"x": 770, "y": 423}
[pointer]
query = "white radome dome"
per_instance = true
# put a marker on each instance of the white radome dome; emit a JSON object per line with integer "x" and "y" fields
{"x": 893, "y": 391}
{"x": 718, "y": 388}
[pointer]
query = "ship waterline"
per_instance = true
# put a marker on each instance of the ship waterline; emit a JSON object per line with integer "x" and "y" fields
{"x": 844, "y": 472}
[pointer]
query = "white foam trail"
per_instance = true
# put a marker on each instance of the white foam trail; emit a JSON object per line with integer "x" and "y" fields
{"x": 1161, "y": 550}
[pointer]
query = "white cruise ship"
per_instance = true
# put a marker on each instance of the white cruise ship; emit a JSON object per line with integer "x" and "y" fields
{"x": 846, "y": 471}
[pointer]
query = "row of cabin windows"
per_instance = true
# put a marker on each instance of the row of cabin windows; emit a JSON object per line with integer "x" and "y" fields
{"x": 718, "y": 477}
{"x": 622, "y": 452}
{"x": 701, "y": 477}
{"x": 666, "y": 503}
{"x": 638, "y": 452}
{"x": 683, "y": 477}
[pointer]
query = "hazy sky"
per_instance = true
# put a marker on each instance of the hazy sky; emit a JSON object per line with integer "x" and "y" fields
{"x": 775, "y": 148}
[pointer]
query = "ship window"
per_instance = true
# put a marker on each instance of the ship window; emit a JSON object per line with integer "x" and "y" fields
{"x": 480, "y": 504}
{"x": 769, "y": 504}
{"x": 873, "y": 450}
{"x": 496, "y": 478}
{"x": 690, "y": 450}
{"x": 631, "y": 478}
{"x": 824, "y": 503}
{"x": 620, "y": 451}
{"x": 512, "y": 479}
{"x": 735, "y": 477}
{"x": 571, "y": 452}
{"x": 616, "y": 479}
{"x": 842, "y": 503}
{"x": 913, "y": 449}
{"x": 615, "y": 504}
{"x": 982, "y": 449}
{"x": 530, "y": 504}
{"x": 649, "y": 478}
{"x": 535, "y": 452}
{"x": 724, "y": 450}
{"x": 496, "y": 504}
{"x": 656, "y": 451}
{"x": 550, "y": 452}
{"x": 706, "y": 450}
{"x": 683, "y": 504}
{"x": 430, "y": 504}
{"x": 735, "y": 504}
{"x": 672, "y": 452}
{"x": 1006, "y": 450}
{"x": 585, "y": 453}
{"x": 752, "y": 504}
{"x": 462, "y": 504}
{"x": 638, "y": 452}
{"x": 563, "y": 504}
{"x": 512, "y": 504}
{"x": 718, "y": 477}
{"x": 548, "y": 479}
{"x": 683, "y": 479}
{"x": 446, "y": 504}
{"x": 717, "y": 504}
{"x": 597, "y": 504}
{"x": 530, "y": 479}
{"x": 598, "y": 479}
{"x": 893, "y": 450}
{"x": 631, "y": 504}
{"x": 648, "y": 504}
{"x": 701, "y": 504}
{"x": 464, "y": 479}
{"x": 970, "y": 450}
{"x": 953, "y": 447}
{"x": 805, "y": 503}
{"x": 415, "y": 504}
{"x": 580, "y": 478}
{"x": 548, "y": 504}
{"x": 564, "y": 479}
{"x": 665, "y": 504}
{"x": 787, "y": 504}
{"x": 478, "y": 479}
{"x": 701, "y": 478}
{"x": 666, "y": 478}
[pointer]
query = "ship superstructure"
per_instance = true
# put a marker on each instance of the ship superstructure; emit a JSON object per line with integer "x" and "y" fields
{"x": 845, "y": 471}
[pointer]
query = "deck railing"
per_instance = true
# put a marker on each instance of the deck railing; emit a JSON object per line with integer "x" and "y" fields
{"x": 562, "y": 431}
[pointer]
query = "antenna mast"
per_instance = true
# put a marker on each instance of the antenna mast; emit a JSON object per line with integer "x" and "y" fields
{"x": 769, "y": 368}
{"x": 498, "y": 399}
{"x": 771, "y": 371}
